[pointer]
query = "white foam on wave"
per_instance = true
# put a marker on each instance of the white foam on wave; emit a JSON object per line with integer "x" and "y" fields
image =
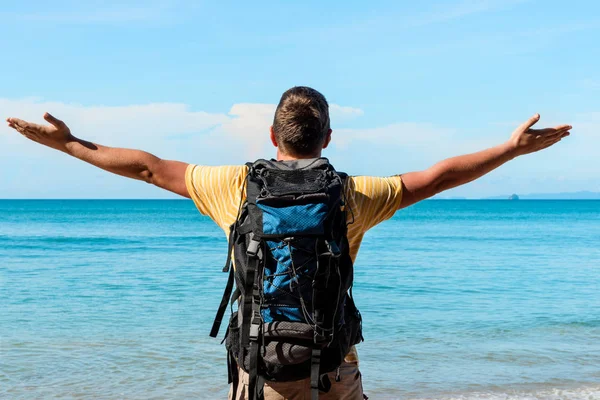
{"x": 586, "y": 393}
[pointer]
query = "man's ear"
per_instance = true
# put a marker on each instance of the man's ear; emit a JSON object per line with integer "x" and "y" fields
{"x": 273, "y": 138}
{"x": 327, "y": 139}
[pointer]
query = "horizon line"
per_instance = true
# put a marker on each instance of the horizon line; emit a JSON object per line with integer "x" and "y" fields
{"x": 489, "y": 198}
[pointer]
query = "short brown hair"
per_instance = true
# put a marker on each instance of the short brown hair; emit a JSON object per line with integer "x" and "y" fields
{"x": 301, "y": 121}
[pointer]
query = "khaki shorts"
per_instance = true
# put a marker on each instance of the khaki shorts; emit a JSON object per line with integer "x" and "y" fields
{"x": 348, "y": 388}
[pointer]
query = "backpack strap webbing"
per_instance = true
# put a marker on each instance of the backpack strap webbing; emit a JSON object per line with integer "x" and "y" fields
{"x": 233, "y": 376}
{"x": 251, "y": 293}
{"x": 256, "y": 383}
{"x": 228, "y": 288}
{"x": 315, "y": 364}
{"x": 252, "y": 321}
{"x": 224, "y": 301}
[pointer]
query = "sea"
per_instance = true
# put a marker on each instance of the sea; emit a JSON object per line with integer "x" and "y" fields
{"x": 474, "y": 299}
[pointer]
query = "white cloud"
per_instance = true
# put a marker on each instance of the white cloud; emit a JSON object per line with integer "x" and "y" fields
{"x": 248, "y": 124}
{"x": 147, "y": 124}
{"x": 171, "y": 130}
{"x": 338, "y": 112}
{"x": 398, "y": 134}
{"x": 174, "y": 131}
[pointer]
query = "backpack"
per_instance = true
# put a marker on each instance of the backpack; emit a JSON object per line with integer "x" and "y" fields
{"x": 293, "y": 275}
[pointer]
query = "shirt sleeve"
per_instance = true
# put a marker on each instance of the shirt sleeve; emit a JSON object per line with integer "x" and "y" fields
{"x": 372, "y": 200}
{"x": 216, "y": 191}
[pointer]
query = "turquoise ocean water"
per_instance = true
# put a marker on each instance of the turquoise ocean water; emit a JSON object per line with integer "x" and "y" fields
{"x": 460, "y": 300}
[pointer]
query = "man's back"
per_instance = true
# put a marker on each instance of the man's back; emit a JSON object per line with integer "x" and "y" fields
{"x": 219, "y": 192}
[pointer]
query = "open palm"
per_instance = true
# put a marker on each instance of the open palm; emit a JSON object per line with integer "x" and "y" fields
{"x": 527, "y": 140}
{"x": 55, "y": 135}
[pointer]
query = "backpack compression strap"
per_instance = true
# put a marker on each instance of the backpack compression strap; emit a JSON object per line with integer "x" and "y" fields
{"x": 228, "y": 288}
{"x": 252, "y": 321}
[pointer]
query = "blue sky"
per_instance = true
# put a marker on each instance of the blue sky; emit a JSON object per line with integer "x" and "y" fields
{"x": 410, "y": 83}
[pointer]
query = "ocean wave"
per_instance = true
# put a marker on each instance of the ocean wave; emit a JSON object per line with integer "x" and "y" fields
{"x": 47, "y": 241}
{"x": 582, "y": 393}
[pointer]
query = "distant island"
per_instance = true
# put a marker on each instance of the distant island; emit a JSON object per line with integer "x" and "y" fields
{"x": 583, "y": 195}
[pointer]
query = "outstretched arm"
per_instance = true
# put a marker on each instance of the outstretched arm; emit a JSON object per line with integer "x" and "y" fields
{"x": 136, "y": 164}
{"x": 457, "y": 171}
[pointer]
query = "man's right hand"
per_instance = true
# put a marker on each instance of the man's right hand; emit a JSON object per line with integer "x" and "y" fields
{"x": 135, "y": 164}
{"x": 56, "y": 135}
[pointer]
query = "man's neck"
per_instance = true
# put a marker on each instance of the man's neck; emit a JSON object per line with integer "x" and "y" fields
{"x": 287, "y": 157}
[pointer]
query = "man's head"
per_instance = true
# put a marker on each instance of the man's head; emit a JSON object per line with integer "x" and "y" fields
{"x": 301, "y": 124}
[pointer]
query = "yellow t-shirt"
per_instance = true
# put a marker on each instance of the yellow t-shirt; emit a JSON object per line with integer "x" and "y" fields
{"x": 217, "y": 193}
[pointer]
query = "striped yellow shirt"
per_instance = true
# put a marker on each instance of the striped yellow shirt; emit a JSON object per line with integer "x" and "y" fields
{"x": 218, "y": 193}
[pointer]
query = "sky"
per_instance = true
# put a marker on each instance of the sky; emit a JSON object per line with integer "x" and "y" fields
{"x": 409, "y": 84}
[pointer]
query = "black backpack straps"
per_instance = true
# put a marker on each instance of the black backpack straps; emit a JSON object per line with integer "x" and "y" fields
{"x": 228, "y": 287}
{"x": 252, "y": 320}
{"x": 233, "y": 376}
{"x": 256, "y": 383}
{"x": 315, "y": 364}
{"x": 247, "y": 300}
{"x": 224, "y": 301}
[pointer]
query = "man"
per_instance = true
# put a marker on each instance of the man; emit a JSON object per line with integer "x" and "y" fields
{"x": 300, "y": 132}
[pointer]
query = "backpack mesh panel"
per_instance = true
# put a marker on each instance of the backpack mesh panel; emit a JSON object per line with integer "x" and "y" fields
{"x": 282, "y": 353}
{"x": 301, "y": 219}
{"x": 288, "y": 329}
{"x": 297, "y": 181}
{"x": 280, "y": 312}
{"x": 282, "y": 287}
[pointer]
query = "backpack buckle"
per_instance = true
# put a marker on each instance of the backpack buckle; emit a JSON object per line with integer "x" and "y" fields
{"x": 253, "y": 248}
{"x": 254, "y": 330}
{"x": 256, "y": 296}
{"x": 319, "y": 339}
{"x": 333, "y": 248}
{"x": 255, "y": 327}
